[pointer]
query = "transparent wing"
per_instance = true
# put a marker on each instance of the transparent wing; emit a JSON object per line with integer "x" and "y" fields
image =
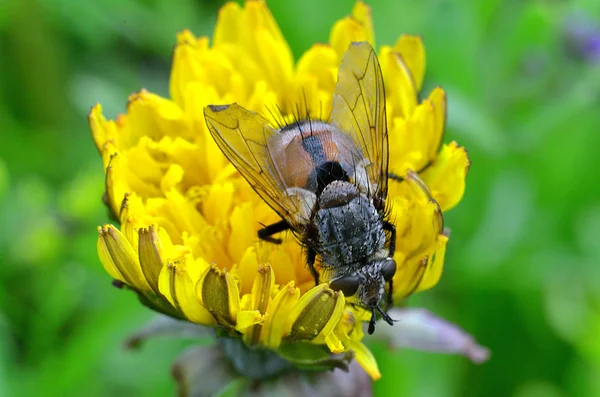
{"x": 358, "y": 109}
{"x": 244, "y": 138}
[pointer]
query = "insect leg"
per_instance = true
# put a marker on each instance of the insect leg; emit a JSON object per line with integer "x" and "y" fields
{"x": 390, "y": 227}
{"x": 390, "y": 294}
{"x": 311, "y": 255}
{"x": 395, "y": 177}
{"x": 266, "y": 232}
{"x": 398, "y": 178}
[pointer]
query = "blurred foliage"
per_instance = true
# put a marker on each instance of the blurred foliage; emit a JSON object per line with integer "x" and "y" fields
{"x": 522, "y": 271}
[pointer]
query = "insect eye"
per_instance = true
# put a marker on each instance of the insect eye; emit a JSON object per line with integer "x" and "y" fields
{"x": 348, "y": 285}
{"x": 388, "y": 269}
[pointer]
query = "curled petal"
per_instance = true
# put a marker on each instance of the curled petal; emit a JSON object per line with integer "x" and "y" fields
{"x": 220, "y": 295}
{"x": 102, "y": 130}
{"x": 446, "y": 177}
{"x": 151, "y": 255}
{"x": 119, "y": 258}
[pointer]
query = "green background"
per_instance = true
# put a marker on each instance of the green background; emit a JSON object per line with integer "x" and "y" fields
{"x": 522, "y": 270}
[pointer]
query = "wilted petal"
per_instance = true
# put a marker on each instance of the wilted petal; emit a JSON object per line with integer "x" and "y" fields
{"x": 422, "y": 330}
{"x": 162, "y": 325}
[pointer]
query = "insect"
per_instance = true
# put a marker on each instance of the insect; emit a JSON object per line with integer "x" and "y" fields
{"x": 326, "y": 180}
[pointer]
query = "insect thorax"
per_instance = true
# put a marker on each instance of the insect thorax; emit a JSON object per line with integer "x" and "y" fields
{"x": 350, "y": 229}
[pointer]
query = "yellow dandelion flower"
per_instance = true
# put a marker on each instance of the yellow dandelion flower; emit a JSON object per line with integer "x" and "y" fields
{"x": 187, "y": 241}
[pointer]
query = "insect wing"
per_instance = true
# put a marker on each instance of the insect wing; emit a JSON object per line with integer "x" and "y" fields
{"x": 358, "y": 109}
{"x": 244, "y": 138}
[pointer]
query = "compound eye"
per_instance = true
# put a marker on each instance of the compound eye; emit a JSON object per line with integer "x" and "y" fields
{"x": 348, "y": 285}
{"x": 388, "y": 269}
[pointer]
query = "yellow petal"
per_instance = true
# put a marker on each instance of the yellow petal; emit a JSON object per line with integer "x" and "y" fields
{"x": 435, "y": 265}
{"x": 277, "y": 314}
{"x": 350, "y": 29}
{"x": 410, "y": 140}
{"x": 254, "y": 32}
{"x": 399, "y": 87}
{"x": 102, "y": 130}
{"x": 320, "y": 62}
{"x": 177, "y": 285}
{"x": 409, "y": 274}
{"x": 260, "y": 298}
{"x": 116, "y": 184}
{"x": 218, "y": 203}
{"x": 246, "y": 319}
{"x": 362, "y": 13}
{"x": 334, "y": 343}
{"x": 365, "y": 358}
{"x": 186, "y": 66}
{"x": 151, "y": 116}
{"x": 418, "y": 217}
{"x": 446, "y": 177}
{"x": 316, "y": 76}
{"x": 229, "y": 23}
{"x": 438, "y": 100}
{"x": 413, "y": 53}
{"x": 119, "y": 258}
{"x": 243, "y": 231}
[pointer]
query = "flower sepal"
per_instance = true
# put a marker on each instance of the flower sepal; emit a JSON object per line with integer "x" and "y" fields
{"x": 311, "y": 357}
{"x": 152, "y": 301}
